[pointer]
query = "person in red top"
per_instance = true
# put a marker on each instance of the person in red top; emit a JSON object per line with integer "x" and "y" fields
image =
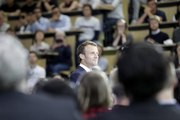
{"x": 94, "y": 94}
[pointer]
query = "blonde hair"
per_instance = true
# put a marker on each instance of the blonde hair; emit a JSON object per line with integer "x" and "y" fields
{"x": 93, "y": 90}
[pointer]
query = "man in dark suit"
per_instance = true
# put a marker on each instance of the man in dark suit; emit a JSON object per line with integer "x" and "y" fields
{"x": 88, "y": 56}
{"x": 15, "y": 105}
{"x": 149, "y": 79}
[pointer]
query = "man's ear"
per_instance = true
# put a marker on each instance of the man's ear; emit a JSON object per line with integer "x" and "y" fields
{"x": 81, "y": 56}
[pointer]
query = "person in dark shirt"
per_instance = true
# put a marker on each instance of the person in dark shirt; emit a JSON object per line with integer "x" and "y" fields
{"x": 29, "y": 6}
{"x": 47, "y": 5}
{"x": 155, "y": 34}
{"x": 151, "y": 10}
{"x": 63, "y": 61}
{"x": 10, "y": 8}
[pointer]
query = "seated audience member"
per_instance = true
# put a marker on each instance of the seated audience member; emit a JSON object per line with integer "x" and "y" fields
{"x": 111, "y": 19}
{"x": 29, "y": 6}
{"x": 31, "y": 19}
{"x": 88, "y": 56}
{"x": 89, "y": 24}
{"x": 10, "y": 8}
{"x": 64, "y": 59}
{"x": 155, "y": 34}
{"x": 136, "y": 9}
{"x": 41, "y": 22}
{"x": 3, "y": 25}
{"x": 94, "y": 94}
{"x": 12, "y": 98}
{"x": 35, "y": 72}
{"x": 47, "y": 5}
{"x": 20, "y": 27}
{"x": 176, "y": 33}
{"x": 69, "y": 5}
{"x": 151, "y": 10}
{"x": 122, "y": 37}
{"x": 149, "y": 85}
{"x": 59, "y": 22}
{"x": 38, "y": 44}
{"x": 120, "y": 97}
{"x": 93, "y": 3}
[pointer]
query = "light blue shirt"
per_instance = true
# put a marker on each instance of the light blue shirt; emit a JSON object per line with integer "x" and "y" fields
{"x": 61, "y": 25}
{"x": 41, "y": 24}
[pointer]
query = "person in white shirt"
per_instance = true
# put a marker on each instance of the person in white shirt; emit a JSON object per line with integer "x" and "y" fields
{"x": 112, "y": 18}
{"x": 35, "y": 72}
{"x": 89, "y": 24}
{"x": 39, "y": 45}
{"x": 59, "y": 22}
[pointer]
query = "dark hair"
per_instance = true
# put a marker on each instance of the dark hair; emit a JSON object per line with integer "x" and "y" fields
{"x": 33, "y": 52}
{"x": 37, "y": 31}
{"x": 81, "y": 47}
{"x": 142, "y": 70}
{"x": 88, "y": 5}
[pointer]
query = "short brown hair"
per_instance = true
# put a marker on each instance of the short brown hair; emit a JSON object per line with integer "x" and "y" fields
{"x": 81, "y": 47}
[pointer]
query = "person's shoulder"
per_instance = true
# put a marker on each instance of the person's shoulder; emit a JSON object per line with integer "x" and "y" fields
{"x": 94, "y": 19}
{"x": 39, "y": 68}
{"x": 63, "y": 16}
{"x": 160, "y": 12}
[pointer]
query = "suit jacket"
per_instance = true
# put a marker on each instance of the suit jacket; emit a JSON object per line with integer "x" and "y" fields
{"x": 18, "y": 106}
{"x": 150, "y": 110}
{"x": 76, "y": 74}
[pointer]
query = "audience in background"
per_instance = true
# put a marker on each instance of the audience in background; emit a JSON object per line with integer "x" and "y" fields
{"x": 93, "y": 3}
{"x": 47, "y": 5}
{"x": 10, "y": 8}
{"x": 155, "y": 34}
{"x": 41, "y": 22}
{"x": 151, "y": 10}
{"x": 22, "y": 24}
{"x": 176, "y": 33}
{"x": 69, "y": 5}
{"x": 12, "y": 99}
{"x": 31, "y": 19}
{"x": 88, "y": 56}
{"x": 35, "y": 72}
{"x": 94, "y": 94}
{"x": 29, "y": 6}
{"x": 89, "y": 24}
{"x": 112, "y": 18}
{"x": 122, "y": 37}
{"x": 59, "y": 22}
{"x": 38, "y": 44}
{"x": 3, "y": 25}
{"x": 136, "y": 9}
{"x": 63, "y": 61}
{"x": 149, "y": 85}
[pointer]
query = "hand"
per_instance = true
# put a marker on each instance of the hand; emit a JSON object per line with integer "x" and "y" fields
{"x": 147, "y": 10}
{"x": 150, "y": 40}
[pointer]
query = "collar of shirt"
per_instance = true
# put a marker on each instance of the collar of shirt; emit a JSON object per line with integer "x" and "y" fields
{"x": 167, "y": 102}
{"x": 156, "y": 32}
{"x": 85, "y": 68}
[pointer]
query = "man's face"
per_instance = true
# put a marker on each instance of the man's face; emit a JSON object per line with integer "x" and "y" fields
{"x": 90, "y": 56}
{"x": 152, "y": 5}
{"x": 32, "y": 58}
{"x": 154, "y": 25}
{"x": 38, "y": 13}
{"x": 86, "y": 11}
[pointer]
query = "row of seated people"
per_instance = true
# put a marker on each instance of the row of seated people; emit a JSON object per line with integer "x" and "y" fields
{"x": 38, "y": 22}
